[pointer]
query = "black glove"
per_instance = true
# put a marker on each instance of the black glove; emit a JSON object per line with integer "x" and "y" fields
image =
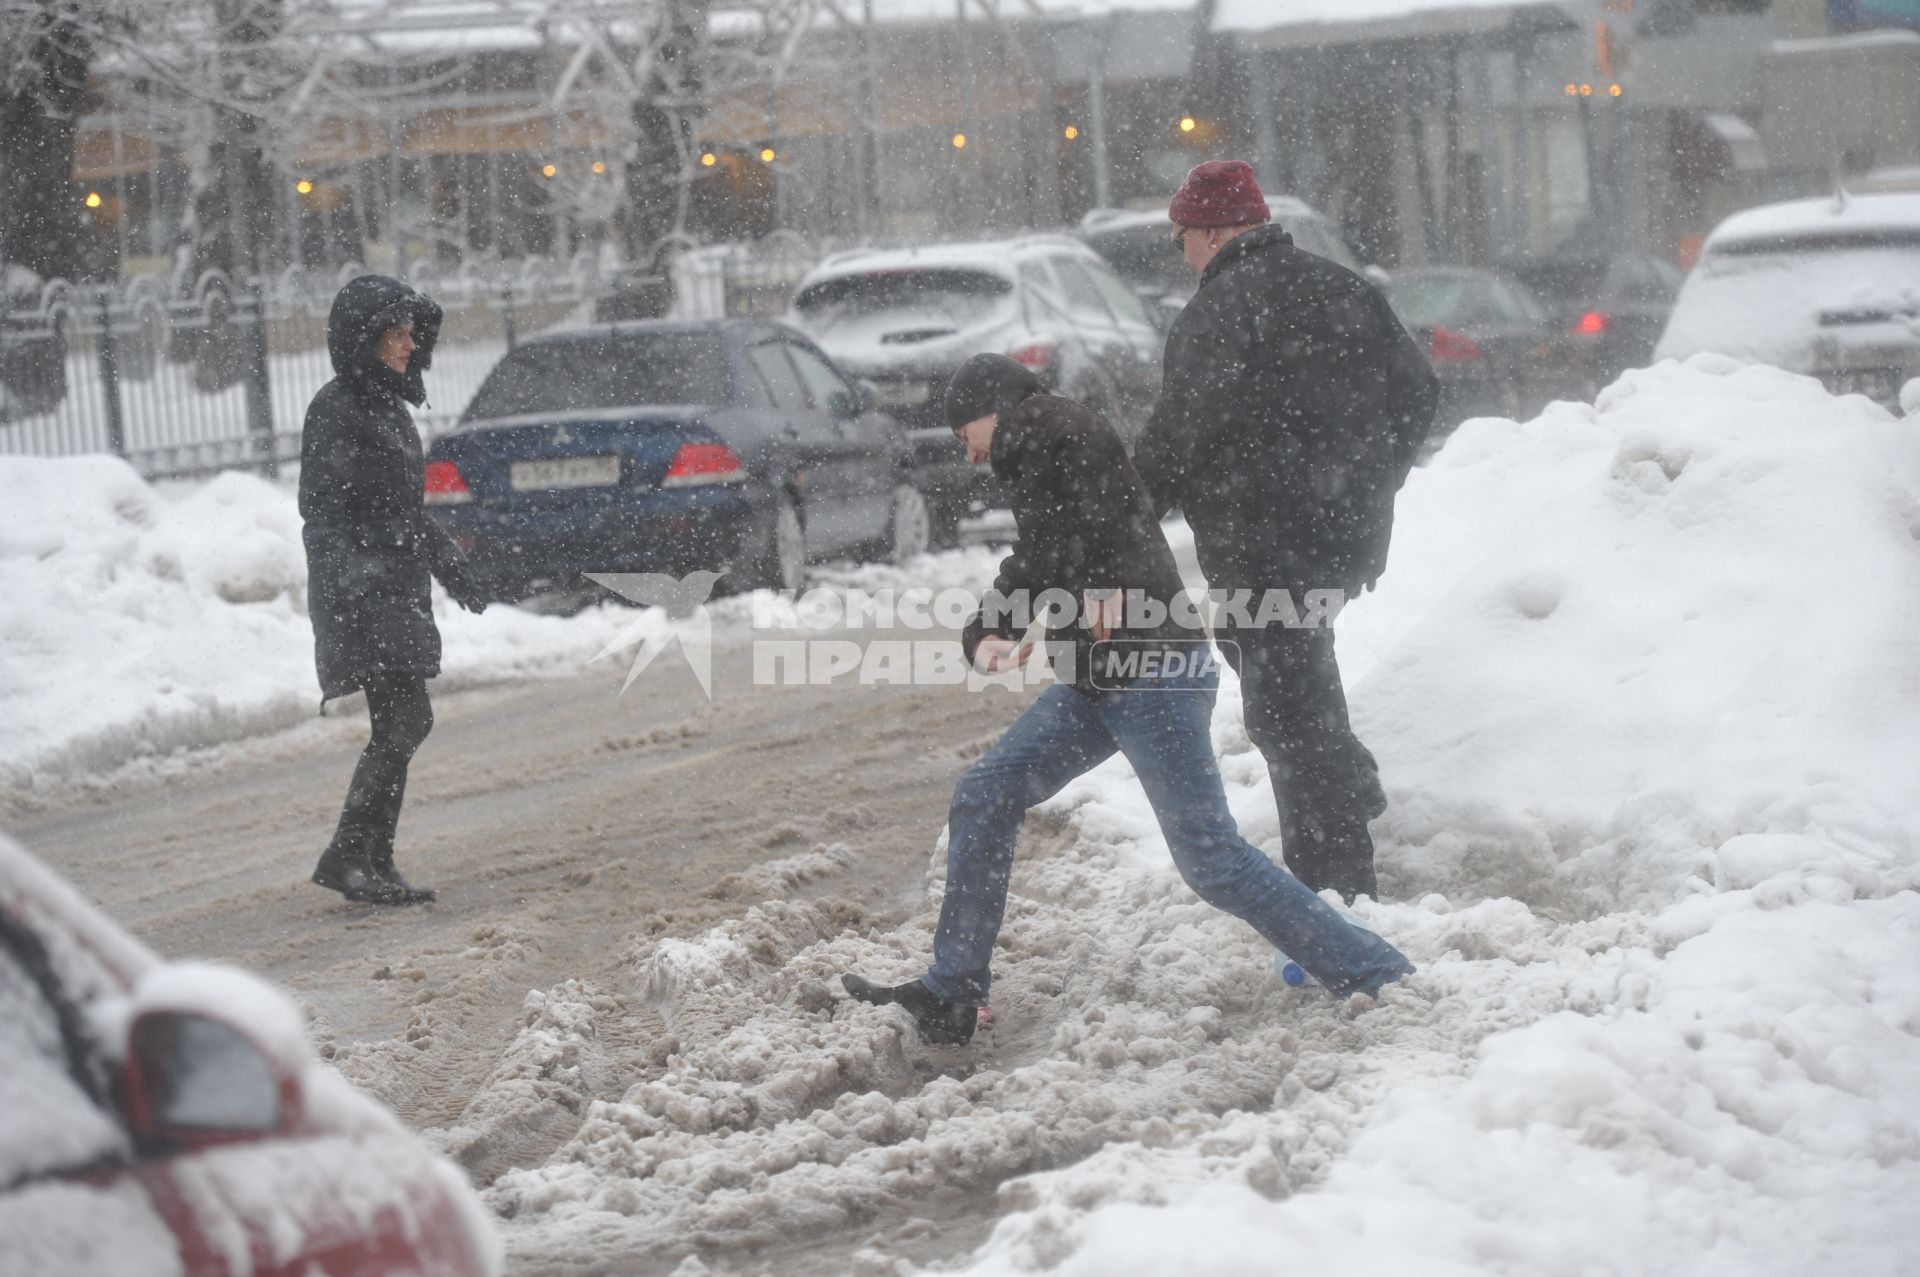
{"x": 467, "y": 593}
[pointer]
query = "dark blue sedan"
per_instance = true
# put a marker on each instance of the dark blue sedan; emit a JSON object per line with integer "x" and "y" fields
{"x": 730, "y": 446}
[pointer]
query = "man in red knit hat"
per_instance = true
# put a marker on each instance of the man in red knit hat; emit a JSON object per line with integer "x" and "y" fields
{"x": 1291, "y": 411}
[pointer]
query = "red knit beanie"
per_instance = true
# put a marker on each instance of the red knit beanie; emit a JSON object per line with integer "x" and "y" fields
{"x": 1219, "y": 193}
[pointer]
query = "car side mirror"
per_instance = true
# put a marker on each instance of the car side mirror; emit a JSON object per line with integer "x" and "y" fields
{"x": 192, "y": 1080}
{"x": 213, "y": 1055}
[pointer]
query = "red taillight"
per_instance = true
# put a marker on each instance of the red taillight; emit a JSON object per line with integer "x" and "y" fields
{"x": 1035, "y": 355}
{"x": 1591, "y": 324}
{"x": 444, "y": 484}
{"x": 698, "y": 463}
{"x": 1449, "y": 347}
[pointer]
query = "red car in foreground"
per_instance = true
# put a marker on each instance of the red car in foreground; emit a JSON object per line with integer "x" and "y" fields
{"x": 169, "y": 1118}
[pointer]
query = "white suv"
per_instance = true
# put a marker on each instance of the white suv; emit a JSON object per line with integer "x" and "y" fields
{"x": 905, "y": 319}
{"x": 1828, "y": 287}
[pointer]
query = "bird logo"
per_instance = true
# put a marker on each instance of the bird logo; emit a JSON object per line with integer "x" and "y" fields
{"x": 682, "y": 601}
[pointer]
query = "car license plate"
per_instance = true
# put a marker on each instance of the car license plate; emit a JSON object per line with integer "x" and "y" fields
{"x": 901, "y": 394}
{"x": 564, "y": 472}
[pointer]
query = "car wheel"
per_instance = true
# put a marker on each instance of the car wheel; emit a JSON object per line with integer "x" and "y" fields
{"x": 783, "y": 561}
{"x": 910, "y": 531}
{"x": 943, "y": 523}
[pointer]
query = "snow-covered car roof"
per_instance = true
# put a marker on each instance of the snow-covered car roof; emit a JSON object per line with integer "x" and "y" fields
{"x": 1115, "y": 219}
{"x": 1795, "y": 218}
{"x": 1404, "y": 17}
{"x": 995, "y": 257}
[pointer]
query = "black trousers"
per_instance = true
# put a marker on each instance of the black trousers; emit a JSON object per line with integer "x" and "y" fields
{"x": 1325, "y": 782}
{"x": 402, "y": 716}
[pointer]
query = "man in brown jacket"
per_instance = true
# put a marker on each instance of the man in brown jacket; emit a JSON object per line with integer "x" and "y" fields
{"x": 1139, "y": 682}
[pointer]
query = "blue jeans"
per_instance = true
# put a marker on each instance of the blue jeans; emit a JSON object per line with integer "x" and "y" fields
{"x": 1163, "y": 726}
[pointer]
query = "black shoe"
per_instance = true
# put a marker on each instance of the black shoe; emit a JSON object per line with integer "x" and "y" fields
{"x": 940, "y": 1022}
{"x": 383, "y": 867}
{"x": 356, "y": 878}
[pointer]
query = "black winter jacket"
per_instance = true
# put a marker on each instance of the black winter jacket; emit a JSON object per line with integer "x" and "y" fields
{"x": 1291, "y": 411}
{"x": 1085, "y": 523}
{"x": 370, "y": 546}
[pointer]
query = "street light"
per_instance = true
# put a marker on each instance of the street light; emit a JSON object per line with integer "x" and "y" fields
{"x": 1188, "y": 124}
{"x": 1073, "y": 132}
{"x": 303, "y": 186}
{"x": 93, "y": 199}
{"x": 959, "y": 141}
{"x": 598, "y": 167}
{"x": 768, "y": 154}
{"x": 709, "y": 159}
{"x": 548, "y": 171}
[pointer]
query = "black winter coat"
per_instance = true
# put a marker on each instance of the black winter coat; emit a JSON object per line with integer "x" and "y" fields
{"x": 370, "y": 546}
{"x": 1085, "y": 523}
{"x": 1293, "y": 406}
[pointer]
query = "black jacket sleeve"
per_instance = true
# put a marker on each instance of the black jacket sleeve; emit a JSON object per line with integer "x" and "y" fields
{"x": 1074, "y": 482}
{"x": 1414, "y": 394}
{"x": 444, "y": 559}
{"x": 1206, "y": 362}
{"x": 997, "y": 616}
{"x": 358, "y": 477}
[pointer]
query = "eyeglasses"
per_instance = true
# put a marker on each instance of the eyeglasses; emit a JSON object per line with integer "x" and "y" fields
{"x": 1180, "y": 238}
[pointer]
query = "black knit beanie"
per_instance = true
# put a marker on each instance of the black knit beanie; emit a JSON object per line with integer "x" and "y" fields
{"x": 988, "y": 384}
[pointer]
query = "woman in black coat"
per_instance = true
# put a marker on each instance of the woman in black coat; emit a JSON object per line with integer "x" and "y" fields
{"x": 370, "y": 552}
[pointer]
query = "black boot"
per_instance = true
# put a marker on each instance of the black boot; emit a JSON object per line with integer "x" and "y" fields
{"x": 353, "y": 875}
{"x": 384, "y": 867}
{"x": 940, "y": 1022}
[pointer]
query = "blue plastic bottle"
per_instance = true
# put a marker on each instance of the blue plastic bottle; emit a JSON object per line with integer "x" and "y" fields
{"x": 1295, "y": 976}
{"x": 1291, "y": 973}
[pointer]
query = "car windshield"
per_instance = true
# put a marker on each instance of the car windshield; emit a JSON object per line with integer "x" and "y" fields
{"x": 1563, "y": 281}
{"x": 935, "y": 297}
{"x": 1821, "y": 242}
{"x": 53, "y": 1124}
{"x": 1144, "y": 256}
{"x": 605, "y": 370}
{"x": 1318, "y": 236}
{"x": 1424, "y": 300}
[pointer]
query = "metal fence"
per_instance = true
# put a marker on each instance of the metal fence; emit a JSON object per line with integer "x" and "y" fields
{"x": 221, "y": 378}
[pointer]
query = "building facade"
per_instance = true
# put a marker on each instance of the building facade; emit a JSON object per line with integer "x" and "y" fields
{"x": 1456, "y": 131}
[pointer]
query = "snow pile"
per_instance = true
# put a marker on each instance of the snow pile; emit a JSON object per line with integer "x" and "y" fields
{"x": 1645, "y": 687}
{"x": 138, "y": 621}
{"x": 1650, "y": 668}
